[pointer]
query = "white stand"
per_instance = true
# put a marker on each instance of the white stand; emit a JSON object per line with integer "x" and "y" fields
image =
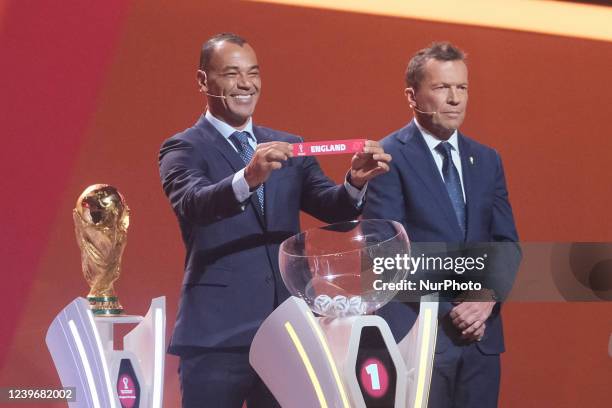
{"x": 418, "y": 349}
{"x": 84, "y": 355}
{"x": 319, "y": 362}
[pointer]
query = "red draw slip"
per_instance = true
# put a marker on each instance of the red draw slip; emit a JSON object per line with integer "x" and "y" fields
{"x": 328, "y": 147}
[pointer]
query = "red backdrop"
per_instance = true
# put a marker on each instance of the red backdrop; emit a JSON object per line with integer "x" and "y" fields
{"x": 89, "y": 91}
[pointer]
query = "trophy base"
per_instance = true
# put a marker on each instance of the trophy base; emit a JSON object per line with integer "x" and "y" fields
{"x": 105, "y": 305}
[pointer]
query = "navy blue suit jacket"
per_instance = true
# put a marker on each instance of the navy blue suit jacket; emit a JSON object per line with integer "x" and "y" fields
{"x": 413, "y": 193}
{"x": 232, "y": 280}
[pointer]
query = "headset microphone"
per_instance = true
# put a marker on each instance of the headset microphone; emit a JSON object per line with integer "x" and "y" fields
{"x": 413, "y": 105}
{"x": 202, "y": 85}
{"x": 216, "y": 96}
{"x": 423, "y": 112}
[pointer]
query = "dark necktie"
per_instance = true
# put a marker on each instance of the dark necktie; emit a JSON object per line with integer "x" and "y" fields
{"x": 452, "y": 182}
{"x": 245, "y": 151}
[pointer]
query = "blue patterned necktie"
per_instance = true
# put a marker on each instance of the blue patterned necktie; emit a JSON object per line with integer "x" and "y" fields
{"x": 245, "y": 151}
{"x": 452, "y": 182}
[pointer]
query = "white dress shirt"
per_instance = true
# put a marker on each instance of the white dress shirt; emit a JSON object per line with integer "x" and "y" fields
{"x": 438, "y": 157}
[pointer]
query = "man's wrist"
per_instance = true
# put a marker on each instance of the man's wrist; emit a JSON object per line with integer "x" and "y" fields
{"x": 248, "y": 176}
{"x": 482, "y": 295}
{"x": 241, "y": 187}
{"x": 489, "y": 294}
{"x": 350, "y": 179}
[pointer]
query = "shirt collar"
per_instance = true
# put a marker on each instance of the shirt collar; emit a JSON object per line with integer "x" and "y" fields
{"x": 433, "y": 141}
{"x": 227, "y": 130}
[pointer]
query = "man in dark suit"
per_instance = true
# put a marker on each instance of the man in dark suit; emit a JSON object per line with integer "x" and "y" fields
{"x": 237, "y": 192}
{"x": 445, "y": 187}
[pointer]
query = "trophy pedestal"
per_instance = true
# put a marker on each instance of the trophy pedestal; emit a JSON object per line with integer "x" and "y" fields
{"x": 106, "y": 328}
{"x": 344, "y": 362}
{"x": 86, "y": 356}
{"x": 105, "y": 305}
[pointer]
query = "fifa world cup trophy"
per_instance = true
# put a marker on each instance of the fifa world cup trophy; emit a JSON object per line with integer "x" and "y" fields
{"x": 101, "y": 220}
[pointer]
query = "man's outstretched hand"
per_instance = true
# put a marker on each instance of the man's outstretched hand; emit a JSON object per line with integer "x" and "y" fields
{"x": 368, "y": 164}
{"x": 267, "y": 158}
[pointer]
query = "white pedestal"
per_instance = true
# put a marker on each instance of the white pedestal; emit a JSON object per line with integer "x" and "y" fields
{"x": 344, "y": 362}
{"x": 84, "y": 354}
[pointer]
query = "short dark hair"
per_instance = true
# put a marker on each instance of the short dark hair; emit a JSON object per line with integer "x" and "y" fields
{"x": 441, "y": 51}
{"x": 209, "y": 47}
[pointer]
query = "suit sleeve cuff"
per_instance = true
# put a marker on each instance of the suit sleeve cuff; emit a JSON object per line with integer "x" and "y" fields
{"x": 241, "y": 187}
{"x": 356, "y": 194}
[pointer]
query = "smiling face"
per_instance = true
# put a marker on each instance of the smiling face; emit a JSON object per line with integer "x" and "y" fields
{"x": 443, "y": 90}
{"x": 233, "y": 73}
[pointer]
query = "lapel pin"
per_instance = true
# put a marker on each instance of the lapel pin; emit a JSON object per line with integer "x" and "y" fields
{"x": 472, "y": 160}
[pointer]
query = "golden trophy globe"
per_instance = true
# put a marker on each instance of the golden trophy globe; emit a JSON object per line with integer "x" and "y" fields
{"x": 101, "y": 219}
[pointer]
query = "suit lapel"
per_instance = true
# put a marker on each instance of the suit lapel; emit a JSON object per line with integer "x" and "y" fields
{"x": 422, "y": 163}
{"x": 217, "y": 140}
{"x": 468, "y": 169}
